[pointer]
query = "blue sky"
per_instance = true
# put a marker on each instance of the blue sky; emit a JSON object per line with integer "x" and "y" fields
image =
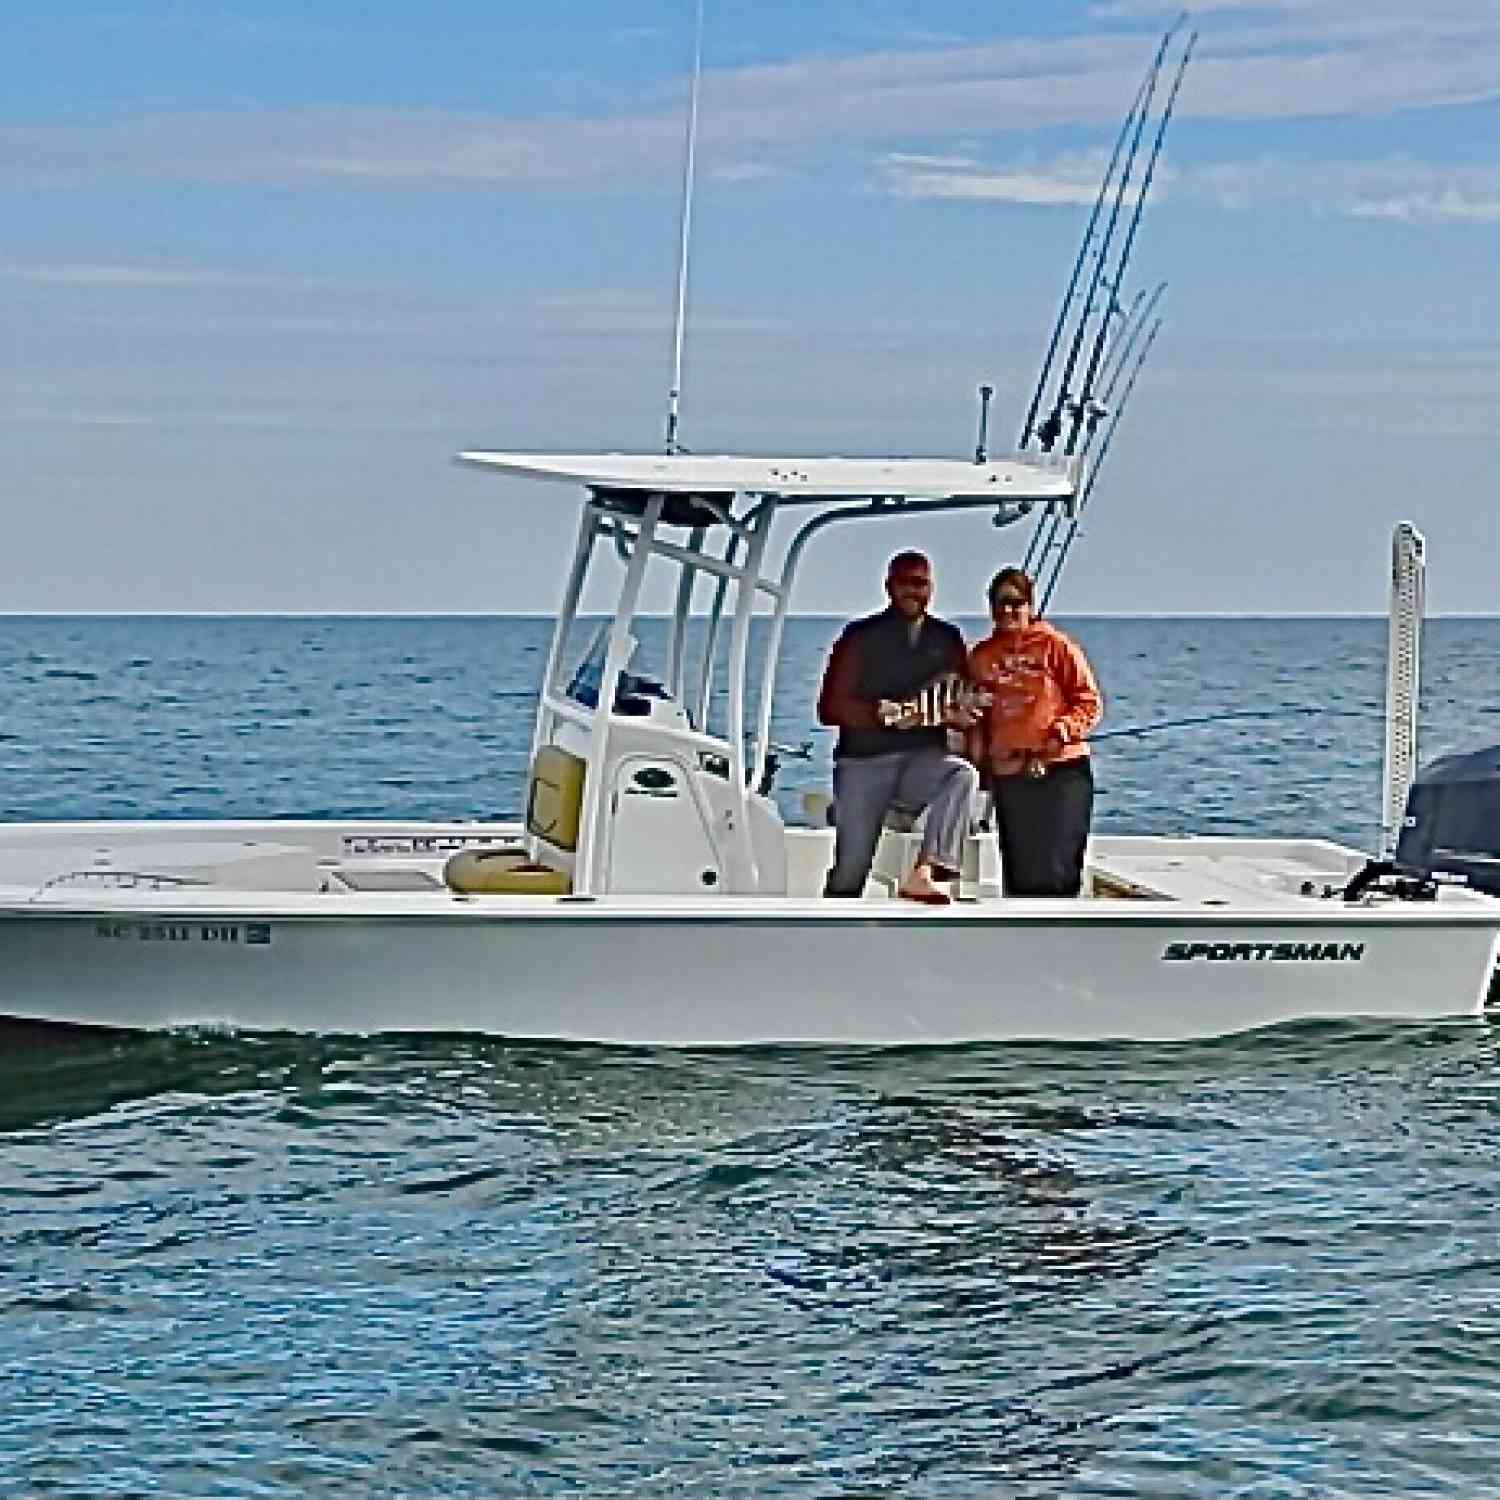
{"x": 267, "y": 268}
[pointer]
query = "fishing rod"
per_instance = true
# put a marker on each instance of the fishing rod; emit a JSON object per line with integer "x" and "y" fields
{"x": 1111, "y": 349}
{"x": 1044, "y": 532}
{"x": 1107, "y": 361}
{"x": 1076, "y": 521}
{"x": 1288, "y": 710}
{"x": 1117, "y": 410}
{"x": 689, "y": 174}
{"x": 1080, "y": 407}
{"x": 1050, "y": 430}
{"x": 1066, "y": 306}
{"x": 1142, "y": 310}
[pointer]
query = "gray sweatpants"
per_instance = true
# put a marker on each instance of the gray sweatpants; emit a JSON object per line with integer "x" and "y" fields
{"x": 865, "y": 786}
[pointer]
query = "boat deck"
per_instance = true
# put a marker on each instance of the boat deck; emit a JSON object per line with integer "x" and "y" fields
{"x": 1222, "y": 872}
{"x": 305, "y": 864}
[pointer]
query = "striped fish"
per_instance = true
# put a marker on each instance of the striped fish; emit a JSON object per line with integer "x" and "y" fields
{"x": 934, "y": 704}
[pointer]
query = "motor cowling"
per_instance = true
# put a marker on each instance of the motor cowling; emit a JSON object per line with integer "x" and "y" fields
{"x": 1452, "y": 822}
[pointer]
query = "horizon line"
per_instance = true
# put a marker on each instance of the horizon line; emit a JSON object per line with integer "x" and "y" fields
{"x": 489, "y": 614}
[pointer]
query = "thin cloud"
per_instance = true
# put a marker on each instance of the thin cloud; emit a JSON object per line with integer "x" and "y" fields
{"x": 1398, "y": 188}
{"x": 1068, "y": 181}
{"x": 358, "y": 147}
{"x": 787, "y": 112}
{"x": 1368, "y": 55}
{"x": 613, "y": 314}
{"x": 1277, "y": 60}
{"x": 886, "y": 35}
{"x": 218, "y": 26}
{"x": 1351, "y": 20}
{"x": 746, "y": 171}
{"x": 1449, "y": 206}
{"x": 185, "y": 278}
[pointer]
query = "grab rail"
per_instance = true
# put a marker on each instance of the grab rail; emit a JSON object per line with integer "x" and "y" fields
{"x": 125, "y": 880}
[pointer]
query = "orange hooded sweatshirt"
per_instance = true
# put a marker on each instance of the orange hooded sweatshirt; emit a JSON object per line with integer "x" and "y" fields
{"x": 1044, "y": 691}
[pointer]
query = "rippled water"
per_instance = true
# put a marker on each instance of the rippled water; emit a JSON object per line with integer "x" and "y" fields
{"x": 297, "y": 1267}
{"x": 228, "y": 717}
{"x": 271, "y": 1266}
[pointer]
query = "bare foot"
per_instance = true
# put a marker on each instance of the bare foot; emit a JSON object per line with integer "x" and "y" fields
{"x": 919, "y": 886}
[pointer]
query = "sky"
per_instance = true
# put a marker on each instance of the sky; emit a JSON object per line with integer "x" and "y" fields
{"x": 267, "y": 268}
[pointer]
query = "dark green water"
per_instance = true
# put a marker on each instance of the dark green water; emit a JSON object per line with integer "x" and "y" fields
{"x": 256, "y": 1266}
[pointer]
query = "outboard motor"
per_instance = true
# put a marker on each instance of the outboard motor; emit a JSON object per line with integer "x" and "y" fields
{"x": 1452, "y": 822}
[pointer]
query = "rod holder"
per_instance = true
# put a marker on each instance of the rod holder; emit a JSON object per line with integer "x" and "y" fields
{"x": 981, "y": 450}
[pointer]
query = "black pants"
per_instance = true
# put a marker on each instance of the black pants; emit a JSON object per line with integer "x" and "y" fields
{"x": 1043, "y": 826}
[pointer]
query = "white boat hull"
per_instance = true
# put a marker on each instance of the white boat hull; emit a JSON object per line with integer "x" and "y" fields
{"x": 337, "y": 927}
{"x": 791, "y": 972}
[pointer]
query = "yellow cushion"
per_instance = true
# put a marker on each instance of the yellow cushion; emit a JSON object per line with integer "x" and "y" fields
{"x": 502, "y": 872}
{"x": 554, "y": 801}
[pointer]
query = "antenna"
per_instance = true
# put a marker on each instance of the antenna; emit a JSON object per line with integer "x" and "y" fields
{"x": 689, "y": 164}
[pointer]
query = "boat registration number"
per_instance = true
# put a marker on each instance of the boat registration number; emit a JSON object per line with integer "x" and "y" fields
{"x": 248, "y": 934}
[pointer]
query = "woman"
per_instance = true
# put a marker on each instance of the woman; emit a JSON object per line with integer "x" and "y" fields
{"x": 1032, "y": 742}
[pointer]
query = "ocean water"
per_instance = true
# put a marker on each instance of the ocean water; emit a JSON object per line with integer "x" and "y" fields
{"x": 273, "y": 1266}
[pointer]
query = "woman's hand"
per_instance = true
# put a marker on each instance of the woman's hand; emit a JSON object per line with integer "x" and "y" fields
{"x": 971, "y": 707}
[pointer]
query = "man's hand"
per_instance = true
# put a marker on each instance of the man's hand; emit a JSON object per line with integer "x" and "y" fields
{"x": 893, "y": 715}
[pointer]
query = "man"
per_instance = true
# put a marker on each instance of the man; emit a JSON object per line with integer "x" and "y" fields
{"x": 884, "y": 756}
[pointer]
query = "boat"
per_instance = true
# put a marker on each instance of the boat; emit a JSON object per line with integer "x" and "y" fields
{"x": 652, "y": 891}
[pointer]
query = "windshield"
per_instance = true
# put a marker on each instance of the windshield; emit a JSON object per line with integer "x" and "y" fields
{"x": 583, "y": 686}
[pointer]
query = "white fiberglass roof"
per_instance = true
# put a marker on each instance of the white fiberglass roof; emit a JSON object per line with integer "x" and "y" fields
{"x": 1039, "y": 477}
